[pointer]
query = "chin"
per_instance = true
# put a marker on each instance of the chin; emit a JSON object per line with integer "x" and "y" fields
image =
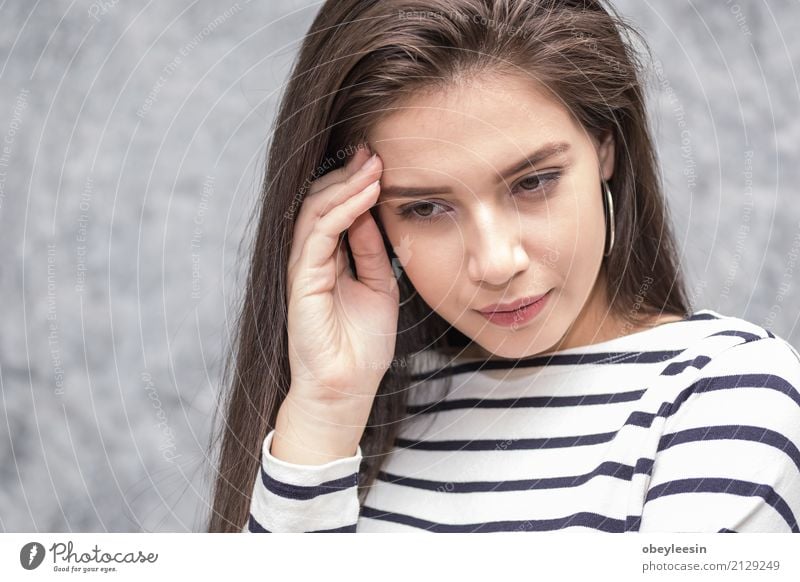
{"x": 539, "y": 341}
{"x": 507, "y": 352}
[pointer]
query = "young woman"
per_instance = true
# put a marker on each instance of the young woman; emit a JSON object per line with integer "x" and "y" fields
{"x": 482, "y": 326}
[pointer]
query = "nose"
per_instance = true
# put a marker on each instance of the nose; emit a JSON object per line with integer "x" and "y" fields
{"x": 495, "y": 253}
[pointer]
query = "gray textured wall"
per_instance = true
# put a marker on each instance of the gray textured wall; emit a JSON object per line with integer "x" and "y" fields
{"x": 132, "y": 142}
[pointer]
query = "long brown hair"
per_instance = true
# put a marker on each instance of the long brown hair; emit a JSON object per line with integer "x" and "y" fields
{"x": 358, "y": 61}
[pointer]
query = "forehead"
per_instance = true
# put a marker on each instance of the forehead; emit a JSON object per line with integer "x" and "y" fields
{"x": 483, "y": 123}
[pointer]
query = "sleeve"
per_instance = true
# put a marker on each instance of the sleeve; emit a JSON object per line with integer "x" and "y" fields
{"x": 728, "y": 458}
{"x": 289, "y": 497}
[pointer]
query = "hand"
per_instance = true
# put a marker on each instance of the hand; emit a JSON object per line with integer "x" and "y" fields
{"x": 342, "y": 330}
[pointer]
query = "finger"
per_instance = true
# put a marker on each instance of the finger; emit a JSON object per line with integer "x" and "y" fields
{"x": 350, "y": 167}
{"x": 302, "y": 226}
{"x": 324, "y": 238}
{"x": 317, "y": 206}
{"x": 369, "y": 253}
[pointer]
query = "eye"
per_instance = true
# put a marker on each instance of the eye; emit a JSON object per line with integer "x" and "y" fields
{"x": 540, "y": 181}
{"x": 528, "y": 185}
{"x": 410, "y": 212}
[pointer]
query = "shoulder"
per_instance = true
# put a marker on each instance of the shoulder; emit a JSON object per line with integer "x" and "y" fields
{"x": 733, "y": 362}
{"x": 745, "y": 373}
{"x": 729, "y": 453}
{"x": 729, "y": 337}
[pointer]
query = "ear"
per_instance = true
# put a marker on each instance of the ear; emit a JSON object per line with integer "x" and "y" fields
{"x": 605, "y": 154}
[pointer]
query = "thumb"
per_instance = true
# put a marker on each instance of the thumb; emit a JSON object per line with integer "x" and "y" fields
{"x": 371, "y": 261}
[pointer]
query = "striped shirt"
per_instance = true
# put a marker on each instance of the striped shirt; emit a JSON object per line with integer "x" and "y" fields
{"x": 690, "y": 426}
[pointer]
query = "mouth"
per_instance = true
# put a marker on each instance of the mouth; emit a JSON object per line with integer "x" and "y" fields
{"x": 512, "y": 306}
{"x": 520, "y": 316}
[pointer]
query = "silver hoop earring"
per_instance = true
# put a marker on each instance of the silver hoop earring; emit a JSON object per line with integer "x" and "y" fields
{"x": 398, "y": 272}
{"x": 609, "y": 217}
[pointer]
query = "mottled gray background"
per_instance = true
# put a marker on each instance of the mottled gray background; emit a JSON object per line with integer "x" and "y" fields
{"x": 132, "y": 141}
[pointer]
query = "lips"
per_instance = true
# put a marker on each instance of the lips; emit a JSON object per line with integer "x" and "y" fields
{"x": 513, "y": 306}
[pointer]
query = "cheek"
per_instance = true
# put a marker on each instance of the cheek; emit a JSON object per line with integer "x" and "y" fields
{"x": 578, "y": 234}
{"x": 566, "y": 240}
{"x": 434, "y": 267}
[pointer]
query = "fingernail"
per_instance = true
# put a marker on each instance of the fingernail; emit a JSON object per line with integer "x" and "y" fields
{"x": 370, "y": 163}
{"x": 371, "y": 187}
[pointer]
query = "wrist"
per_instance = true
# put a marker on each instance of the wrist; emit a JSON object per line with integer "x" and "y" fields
{"x": 313, "y": 433}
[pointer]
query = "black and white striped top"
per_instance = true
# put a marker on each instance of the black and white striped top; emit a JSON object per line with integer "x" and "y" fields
{"x": 691, "y": 426}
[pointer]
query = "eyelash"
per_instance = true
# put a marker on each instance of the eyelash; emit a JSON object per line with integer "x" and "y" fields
{"x": 407, "y": 212}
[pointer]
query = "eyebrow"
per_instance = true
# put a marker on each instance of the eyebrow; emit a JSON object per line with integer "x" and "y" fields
{"x": 543, "y": 153}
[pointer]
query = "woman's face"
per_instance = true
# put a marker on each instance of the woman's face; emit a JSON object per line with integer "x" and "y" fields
{"x": 477, "y": 217}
